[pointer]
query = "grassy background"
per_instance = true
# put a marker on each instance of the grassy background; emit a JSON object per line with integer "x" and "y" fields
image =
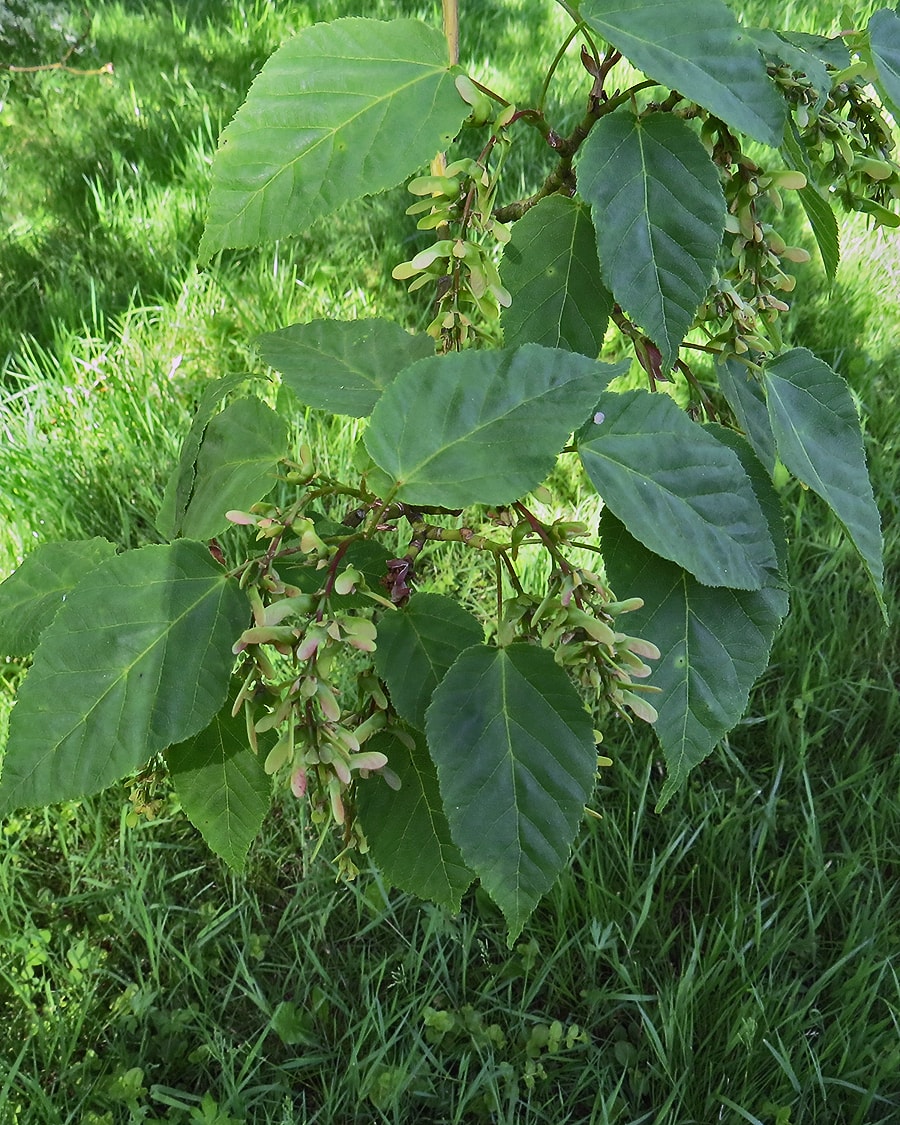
{"x": 728, "y": 960}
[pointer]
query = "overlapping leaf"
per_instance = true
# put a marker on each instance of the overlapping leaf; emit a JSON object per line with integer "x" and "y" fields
{"x": 515, "y": 757}
{"x": 884, "y": 39}
{"x": 416, "y": 647}
{"x": 659, "y": 214}
{"x": 407, "y": 829}
{"x": 31, "y": 596}
{"x": 236, "y": 465}
{"x": 677, "y": 489}
{"x": 481, "y": 426}
{"x": 180, "y": 486}
{"x": 222, "y": 786}
{"x": 342, "y": 110}
{"x": 551, "y": 270}
{"x": 822, "y": 219}
{"x": 342, "y": 365}
{"x": 714, "y": 643}
{"x": 746, "y": 398}
{"x": 698, "y": 48}
{"x": 800, "y": 53}
{"x": 138, "y": 657}
{"x": 818, "y": 437}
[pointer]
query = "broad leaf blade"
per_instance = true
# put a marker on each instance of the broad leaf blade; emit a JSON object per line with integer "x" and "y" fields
{"x": 236, "y": 465}
{"x": 745, "y": 396}
{"x": 138, "y": 657}
{"x": 339, "y": 365}
{"x": 677, "y": 489}
{"x": 713, "y": 642}
{"x": 659, "y": 213}
{"x": 342, "y": 110}
{"x": 551, "y": 271}
{"x": 416, "y": 647}
{"x": 481, "y": 427}
{"x": 515, "y": 756}
{"x": 180, "y": 486}
{"x": 407, "y": 829}
{"x": 222, "y": 786}
{"x": 884, "y": 39}
{"x": 31, "y": 596}
{"x": 818, "y": 437}
{"x": 698, "y": 48}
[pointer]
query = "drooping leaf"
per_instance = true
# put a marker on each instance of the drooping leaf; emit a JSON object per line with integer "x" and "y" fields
{"x": 342, "y": 110}
{"x": 342, "y": 365}
{"x": 677, "y": 489}
{"x": 416, "y": 647}
{"x": 698, "y": 48}
{"x": 832, "y": 51}
{"x": 822, "y": 219}
{"x": 515, "y": 757}
{"x": 33, "y": 593}
{"x": 180, "y": 485}
{"x": 659, "y": 214}
{"x": 407, "y": 830}
{"x": 236, "y": 464}
{"x": 551, "y": 271}
{"x": 818, "y": 437}
{"x": 766, "y": 496}
{"x": 744, "y": 395}
{"x": 222, "y": 786}
{"x": 713, "y": 642}
{"x": 138, "y": 657}
{"x": 800, "y": 53}
{"x": 884, "y": 39}
{"x": 824, "y": 225}
{"x": 482, "y": 426}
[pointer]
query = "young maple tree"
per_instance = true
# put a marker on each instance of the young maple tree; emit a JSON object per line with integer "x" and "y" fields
{"x": 286, "y": 629}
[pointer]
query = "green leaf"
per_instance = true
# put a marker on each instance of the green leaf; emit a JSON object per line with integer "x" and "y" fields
{"x": 222, "y": 786}
{"x": 515, "y": 756}
{"x": 822, "y": 219}
{"x": 818, "y": 437}
{"x": 481, "y": 427}
{"x": 236, "y": 465}
{"x": 713, "y": 642}
{"x": 659, "y": 213}
{"x": 884, "y": 40}
{"x": 744, "y": 395}
{"x": 416, "y": 647}
{"x": 30, "y": 597}
{"x": 824, "y": 225}
{"x": 407, "y": 830}
{"x": 342, "y": 110}
{"x": 180, "y": 486}
{"x": 677, "y": 489}
{"x": 342, "y": 365}
{"x": 764, "y": 491}
{"x": 800, "y": 53}
{"x": 138, "y": 657}
{"x": 698, "y": 48}
{"x": 551, "y": 271}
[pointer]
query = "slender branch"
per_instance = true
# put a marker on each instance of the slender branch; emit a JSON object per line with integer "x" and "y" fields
{"x": 561, "y": 176}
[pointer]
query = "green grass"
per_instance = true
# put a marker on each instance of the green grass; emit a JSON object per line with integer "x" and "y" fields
{"x": 732, "y": 959}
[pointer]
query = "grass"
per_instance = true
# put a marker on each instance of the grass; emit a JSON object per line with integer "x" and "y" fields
{"x": 731, "y": 959}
